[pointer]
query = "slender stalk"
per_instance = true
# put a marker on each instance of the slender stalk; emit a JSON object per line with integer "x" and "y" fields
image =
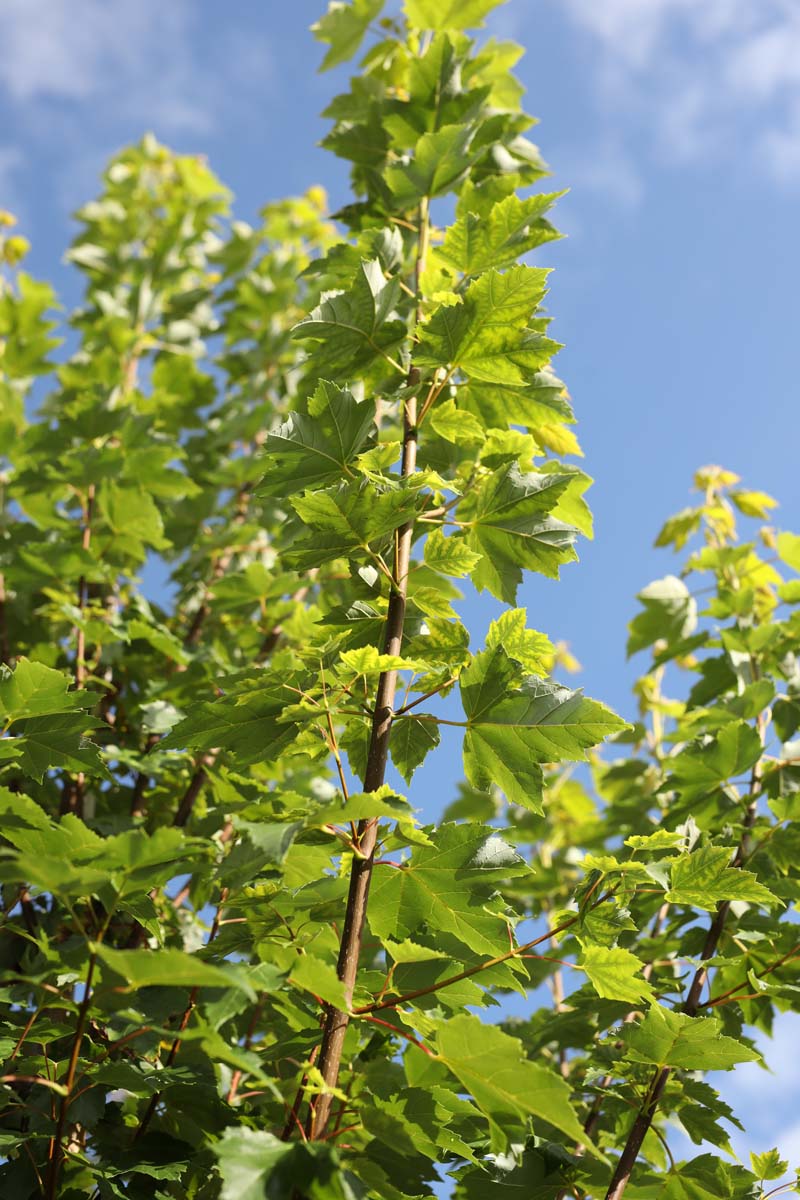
{"x": 515, "y": 952}
{"x": 236, "y": 1077}
{"x": 690, "y": 1006}
{"x": 293, "y": 1119}
{"x": 56, "y": 1145}
{"x": 337, "y": 1020}
{"x": 593, "y": 1119}
{"x": 195, "y": 787}
{"x": 400, "y": 712}
{"x": 745, "y": 983}
{"x": 72, "y": 795}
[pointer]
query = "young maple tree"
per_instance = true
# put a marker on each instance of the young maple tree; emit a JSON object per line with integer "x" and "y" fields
{"x": 233, "y": 962}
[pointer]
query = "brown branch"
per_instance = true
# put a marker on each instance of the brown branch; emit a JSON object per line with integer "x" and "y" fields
{"x": 400, "y": 712}
{"x": 56, "y": 1153}
{"x": 730, "y": 994}
{"x": 516, "y": 952}
{"x": 196, "y": 785}
{"x": 690, "y": 1006}
{"x": 28, "y": 1026}
{"x": 142, "y": 779}
{"x": 236, "y": 1077}
{"x": 293, "y": 1120}
{"x": 593, "y": 1119}
{"x": 336, "y": 1020}
{"x": 72, "y": 794}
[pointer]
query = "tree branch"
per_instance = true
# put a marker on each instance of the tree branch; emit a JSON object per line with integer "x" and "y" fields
{"x": 72, "y": 794}
{"x": 690, "y": 1006}
{"x": 337, "y": 1020}
{"x": 56, "y": 1145}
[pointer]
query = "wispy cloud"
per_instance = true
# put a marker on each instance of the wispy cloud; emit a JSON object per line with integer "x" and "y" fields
{"x": 608, "y": 170}
{"x": 135, "y": 57}
{"x": 79, "y": 78}
{"x": 707, "y": 79}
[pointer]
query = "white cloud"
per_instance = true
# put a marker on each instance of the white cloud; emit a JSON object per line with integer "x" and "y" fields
{"x": 133, "y": 56}
{"x": 82, "y": 77}
{"x": 702, "y": 78}
{"x": 606, "y": 169}
{"x": 789, "y": 1143}
{"x": 138, "y": 61}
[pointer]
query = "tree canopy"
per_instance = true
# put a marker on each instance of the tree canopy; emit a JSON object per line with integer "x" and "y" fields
{"x": 235, "y": 961}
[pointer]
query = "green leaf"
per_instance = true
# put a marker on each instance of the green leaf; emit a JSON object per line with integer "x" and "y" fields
{"x": 670, "y": 614}
{"x": 706, "y": 764}
{"x": 249, "y": 728}
{"x": 540, "y": 403}
{"x": 384, "y": 802}
{"x": 706, "y": 1178}
{"x": 449, "y": 555}
{"x": 527, "y": 1174}
{"x": 255, "y": 1164}
{"x": 532, "y": 650}
{"x": 454, "y": 424}
{"x": 671, "y": 1039}
{"x": 615, "y": 974}
{"x": 169, "y": 967}
{"x": 159, "y": 638}
{"x": 661, "y": 839}
{"x": 705, "y": 877}
{"x": 352, "y": 328}
{"x": 58, "y": 742}
{"x": 316, "y": 449}
{"x": 343, "y": 520}
{"x": 514, "y": 725}
{"x": 513, "y": 227}
{"x": 408, "y": 951}
{"x": 678, "y": 529}
{"x": 786, "y": 716}
{"x": 753, "y": 504}
{"x": 411, "y": 740}
{"x": 368, "y": 660}
{"x": 247, "y": 1159}
{"x": 486, "y": 333}
{"x": 34, "y": 690}
{"x": 132, "y": 518}
{"x": 509, "y": 524}
{"x": 343, "y": 27}
{"x": 505, "y": 1086}
{"x": 440, "y": 160}
{"x": 769, "y": 1165}
{"x": 315, "y": 975}
{"x": 789, "y": 549}
{"x": 446, "y": 886}
{"x": 448, "y": 14}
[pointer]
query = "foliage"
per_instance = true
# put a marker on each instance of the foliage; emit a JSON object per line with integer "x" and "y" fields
{"x": 234, "y": 963}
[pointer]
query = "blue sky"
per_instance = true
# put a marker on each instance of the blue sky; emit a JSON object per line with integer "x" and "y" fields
{"x": 676, "y": 123}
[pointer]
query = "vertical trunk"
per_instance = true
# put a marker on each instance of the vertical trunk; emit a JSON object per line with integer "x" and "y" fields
{"x": 337, "y": 1020}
